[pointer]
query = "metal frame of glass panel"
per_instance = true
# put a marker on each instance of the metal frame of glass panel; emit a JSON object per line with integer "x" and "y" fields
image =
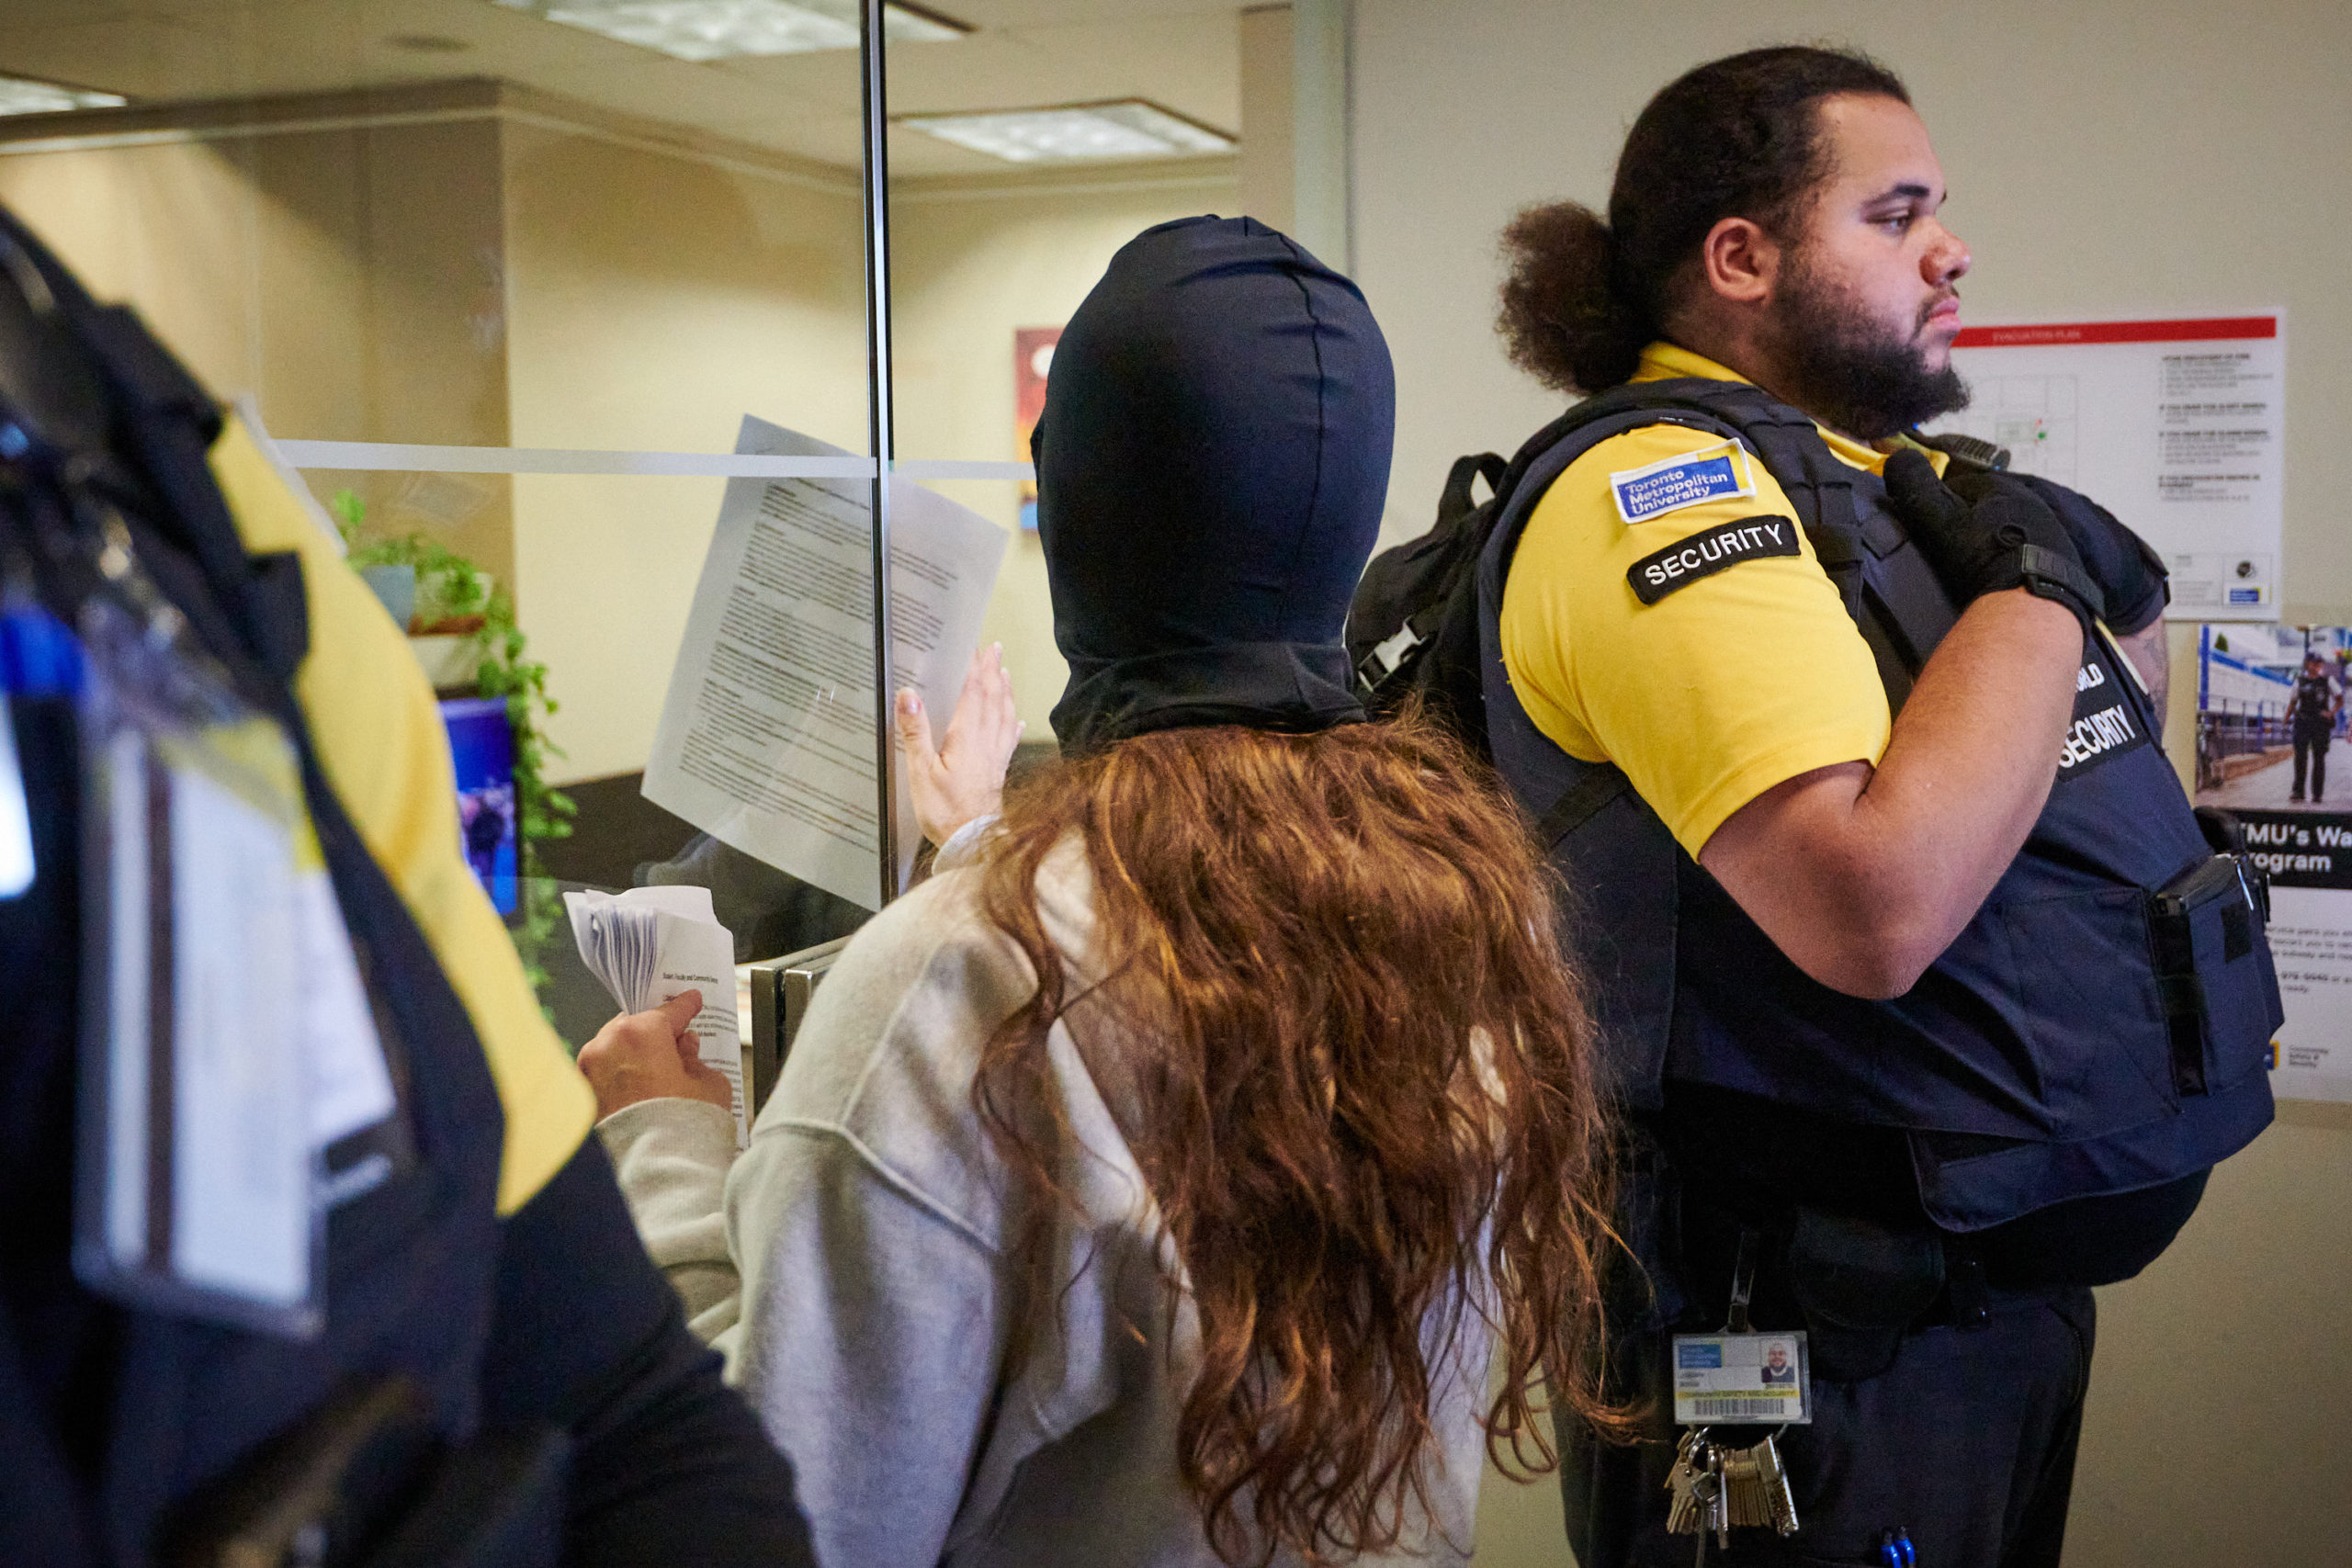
{"x": 873, "y": 80}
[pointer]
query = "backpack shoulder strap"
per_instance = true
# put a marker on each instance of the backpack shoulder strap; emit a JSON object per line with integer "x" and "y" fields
{"x": 1461, "y": 482}
{"x": 1546, "y": 457}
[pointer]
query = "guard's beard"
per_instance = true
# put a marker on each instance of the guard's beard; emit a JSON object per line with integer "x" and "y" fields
{"x": 1847, "y": 370}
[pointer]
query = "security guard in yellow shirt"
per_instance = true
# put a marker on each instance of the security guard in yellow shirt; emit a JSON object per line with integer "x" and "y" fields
{"x": 1928, "y": 999}
{"x": 307, "y": 1257}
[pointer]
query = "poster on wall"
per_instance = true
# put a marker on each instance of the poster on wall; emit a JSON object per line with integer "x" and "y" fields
{"x": 2175, "y": 426}
{"x": 1033, "y": 360}
{"x": 2271, "y": 748}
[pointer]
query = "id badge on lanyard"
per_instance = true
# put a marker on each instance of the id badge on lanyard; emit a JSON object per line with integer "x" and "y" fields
{"x": 15, "y": 823}
{"x": 199, "y": 1176}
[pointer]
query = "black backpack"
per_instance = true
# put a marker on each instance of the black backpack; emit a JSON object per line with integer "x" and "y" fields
{"x": 1412, "y": 632}
{"x": 1413, "y": 626}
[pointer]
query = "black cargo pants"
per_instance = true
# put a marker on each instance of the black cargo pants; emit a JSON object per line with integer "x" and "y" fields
{"x": 1966, "y": 1442}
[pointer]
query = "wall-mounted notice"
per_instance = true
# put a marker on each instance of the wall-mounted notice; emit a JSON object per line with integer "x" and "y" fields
{"x": 2271, "y": 748}
{"x": 2175, "y": 426}
{"x": 767, "y": 735}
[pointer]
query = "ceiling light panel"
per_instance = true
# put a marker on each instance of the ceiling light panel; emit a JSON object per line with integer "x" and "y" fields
{"x": 721, "y": 29}
{"x": 20, "y": 96}
{"x": 1075, "y": 133}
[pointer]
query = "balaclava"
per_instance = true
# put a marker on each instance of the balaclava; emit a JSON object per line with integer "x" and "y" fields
{"x": 1212, "y": 462}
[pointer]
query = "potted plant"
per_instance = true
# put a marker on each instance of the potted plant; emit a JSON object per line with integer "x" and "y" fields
{"x": 450, "y": 595}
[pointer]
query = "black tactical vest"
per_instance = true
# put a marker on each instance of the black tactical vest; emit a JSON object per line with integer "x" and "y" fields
{"x": 2080, "y": 1036}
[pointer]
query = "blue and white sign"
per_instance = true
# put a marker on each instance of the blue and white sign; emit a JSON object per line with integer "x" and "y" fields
{"x": 1713, "y": 473}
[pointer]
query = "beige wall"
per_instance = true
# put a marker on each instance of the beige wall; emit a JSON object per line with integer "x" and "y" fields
{"x": 346, "y": 277}
{"x": 2104, "y": 157}
{"x": 1266, "y": 161}
{"x": 975, "y": 260}
{"x": 655, "y": 296}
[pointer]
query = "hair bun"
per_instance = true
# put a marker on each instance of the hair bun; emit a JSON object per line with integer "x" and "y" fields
{"x": 1563, "y": 320}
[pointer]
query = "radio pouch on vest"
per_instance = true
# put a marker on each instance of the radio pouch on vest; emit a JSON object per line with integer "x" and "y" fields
{"x": 2214, "y": 974}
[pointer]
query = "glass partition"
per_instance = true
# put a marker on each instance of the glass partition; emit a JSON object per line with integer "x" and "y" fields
{"x": 560, "y": 307}
{"x": 504, "y": 279}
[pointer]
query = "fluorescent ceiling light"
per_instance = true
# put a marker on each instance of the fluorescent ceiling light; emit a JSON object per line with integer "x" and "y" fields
{"x": 19, "y": 95}
{"x": 1127, "y": 129}
{"x": 717, "y": 29}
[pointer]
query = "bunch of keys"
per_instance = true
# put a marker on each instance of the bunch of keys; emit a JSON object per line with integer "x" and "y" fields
{"x": 1696, "y": 1492}
{"x": 1755, "y": 1489}
{"x": 1715, "y": 1490}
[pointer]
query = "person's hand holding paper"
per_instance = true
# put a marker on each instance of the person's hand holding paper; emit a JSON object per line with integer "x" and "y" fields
{"x": 653, "y": 947}
{"x": 654, "y": 1054}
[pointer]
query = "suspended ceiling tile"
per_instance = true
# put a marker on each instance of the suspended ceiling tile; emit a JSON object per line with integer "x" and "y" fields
{"x": 1181, "y": 53}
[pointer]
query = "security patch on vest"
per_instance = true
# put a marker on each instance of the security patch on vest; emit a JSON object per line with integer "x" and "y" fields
{"x": 1713, "y": 473}
{"x": 1709, "y": 551}
{"x": 2106, "y": 724}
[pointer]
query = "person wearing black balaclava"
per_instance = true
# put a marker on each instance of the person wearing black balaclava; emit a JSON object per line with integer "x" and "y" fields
{"x": 1154, "y": 1184}
{"x": 1210, "y": 465}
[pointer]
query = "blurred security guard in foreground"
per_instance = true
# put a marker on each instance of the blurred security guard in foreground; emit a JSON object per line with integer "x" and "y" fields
{"x": 305, "y": 1257}
{"x": 1926, "y": 991}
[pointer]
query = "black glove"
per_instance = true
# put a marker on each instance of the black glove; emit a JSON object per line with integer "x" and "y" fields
{"x": 2130, "y": 575}
{"x": 1982, "y": 535}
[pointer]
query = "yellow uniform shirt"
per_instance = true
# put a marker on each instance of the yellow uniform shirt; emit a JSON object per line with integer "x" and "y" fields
{"x": 1743, "y": 668}
{"x": 382, "y": 747}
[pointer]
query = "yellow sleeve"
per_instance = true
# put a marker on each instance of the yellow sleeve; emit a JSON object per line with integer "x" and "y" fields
{"x": 1740, "y": 671}
{"x": 380, "y": 742}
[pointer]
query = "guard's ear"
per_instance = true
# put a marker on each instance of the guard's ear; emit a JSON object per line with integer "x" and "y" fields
{"x": 1740, "y": 261}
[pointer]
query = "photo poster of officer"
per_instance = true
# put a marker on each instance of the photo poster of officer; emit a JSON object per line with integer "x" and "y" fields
{"x": 2272, "y": 749}
{"x": 481, "y": 750}
{"x": 1033, "y": 360}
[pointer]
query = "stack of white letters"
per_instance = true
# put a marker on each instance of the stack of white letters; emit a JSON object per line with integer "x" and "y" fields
{"x": 648, "y": 944}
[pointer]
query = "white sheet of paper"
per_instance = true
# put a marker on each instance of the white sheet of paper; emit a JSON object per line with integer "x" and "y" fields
{"x": 2310, "y": 940}
{"x": 351, "y": 1086}
{"x": 699, "y": 955}
{"x": 767, "y": 735}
